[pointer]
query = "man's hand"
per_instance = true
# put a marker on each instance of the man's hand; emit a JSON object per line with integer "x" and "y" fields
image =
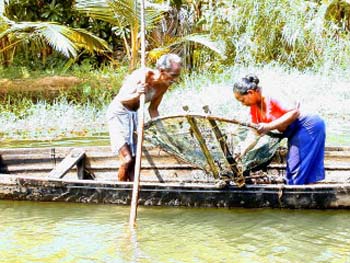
{"x": 141, "y": 88}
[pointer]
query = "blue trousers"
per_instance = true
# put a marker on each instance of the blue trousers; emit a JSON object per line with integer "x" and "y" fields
{"x": 306, "y": 146}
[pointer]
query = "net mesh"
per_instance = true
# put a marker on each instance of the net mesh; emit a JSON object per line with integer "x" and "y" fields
{"x": 192, "y": 139}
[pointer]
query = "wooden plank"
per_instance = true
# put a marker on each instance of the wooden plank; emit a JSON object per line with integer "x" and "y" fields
{"x": 83, "y": 172}
{"x": 105, "y": 152}
{"x": 67, "y": 163}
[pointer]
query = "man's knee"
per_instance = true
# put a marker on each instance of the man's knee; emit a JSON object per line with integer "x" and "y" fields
{"x": 125, "y": 156}
{"x": 126, "y": 161}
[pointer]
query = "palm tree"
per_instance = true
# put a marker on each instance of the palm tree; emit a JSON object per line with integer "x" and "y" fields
{"x": 125, "y": 16}
{"x": 65, "y": 40}
{"x": 182, "y": 31}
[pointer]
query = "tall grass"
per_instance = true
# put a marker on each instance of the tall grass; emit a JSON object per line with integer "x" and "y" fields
{"x": 295, "y": 33}
{"x": 318, "y": 93}
{"x": 326, "y": 95}
{"x": 52, "y": 121}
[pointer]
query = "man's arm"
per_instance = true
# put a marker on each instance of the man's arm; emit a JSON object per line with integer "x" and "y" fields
{"x": 153, "y": 107}
{"x": 133, "y": 87}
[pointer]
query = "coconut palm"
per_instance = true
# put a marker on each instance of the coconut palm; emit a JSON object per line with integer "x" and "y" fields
{"x": 38, "y": 35}
{"x": 182, "y": 31}
{"x": 125, "y": 16}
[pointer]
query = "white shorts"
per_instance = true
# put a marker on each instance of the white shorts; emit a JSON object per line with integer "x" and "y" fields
{"x": 122, "y": 125}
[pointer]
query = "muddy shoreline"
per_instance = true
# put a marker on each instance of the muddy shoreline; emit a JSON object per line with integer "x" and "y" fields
{"x": 51, "y": 84}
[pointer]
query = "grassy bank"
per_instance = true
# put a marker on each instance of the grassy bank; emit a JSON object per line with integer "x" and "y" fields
{"x": 73, "y": 113}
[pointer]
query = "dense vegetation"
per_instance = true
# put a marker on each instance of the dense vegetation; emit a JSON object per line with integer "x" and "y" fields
{"x": 297, "y": 33}
{"x": 98, "y": 42}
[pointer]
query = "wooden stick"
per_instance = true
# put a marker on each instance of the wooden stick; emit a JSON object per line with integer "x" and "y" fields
{"x": 140, "y": 129}
{"x": 220, "y": 137}
{"x": 204, "y": 147}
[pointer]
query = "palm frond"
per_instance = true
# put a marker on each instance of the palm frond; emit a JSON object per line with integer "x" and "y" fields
{"x": 97, "y": 9}
{"x": 87, "y": 40}
{"x": 120, "y": 12}
{"x": 61, "y": 38}
{"x": 2, "y": 7}
{"x": 56, "y": 37}
{"x": 204, "y": 40}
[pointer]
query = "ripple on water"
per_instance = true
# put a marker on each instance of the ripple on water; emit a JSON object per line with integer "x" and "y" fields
{"x": 44, "y": 232}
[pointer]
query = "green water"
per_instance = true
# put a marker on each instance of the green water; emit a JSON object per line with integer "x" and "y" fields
{"x": 63, "y": 232}
{"x": 333, "y": 139}
{"x": 64, "y": 142}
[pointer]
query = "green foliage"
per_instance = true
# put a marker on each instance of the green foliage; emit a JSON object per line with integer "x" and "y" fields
{"x": 60, "y": 12}
{"x": 339, "y": 13}
{"x": 81, "y": 109}
{"x": 297, "y": 33}
{"x": 290, "y": 32}
{"x": 99, "y": 88}
{"x": 125, "y": 16}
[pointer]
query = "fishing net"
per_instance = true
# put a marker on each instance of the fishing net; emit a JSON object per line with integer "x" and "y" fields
{"x": 210, "y": 143}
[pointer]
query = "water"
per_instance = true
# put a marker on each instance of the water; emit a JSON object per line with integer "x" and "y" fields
{"x": 338, "y": 137}
{"x": 63, "y": 142}
{"x": 64, "y": 232}
{"x": 80, "y": 233}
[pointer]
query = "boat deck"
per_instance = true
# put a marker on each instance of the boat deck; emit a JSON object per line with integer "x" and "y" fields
{"x": 157, "y": 165}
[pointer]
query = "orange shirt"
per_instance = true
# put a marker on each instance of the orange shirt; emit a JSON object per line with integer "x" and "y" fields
{"x": 274, "y": 110}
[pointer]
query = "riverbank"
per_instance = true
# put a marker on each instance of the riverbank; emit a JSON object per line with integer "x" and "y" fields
{"x": 48, "y": 83}
{"x": 83, "y": 115}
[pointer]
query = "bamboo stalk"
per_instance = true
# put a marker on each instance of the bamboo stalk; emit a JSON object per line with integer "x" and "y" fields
{"x": 204, "y": 147}
{"x": 140, "y": 130}
{"x": 220, "y": 137}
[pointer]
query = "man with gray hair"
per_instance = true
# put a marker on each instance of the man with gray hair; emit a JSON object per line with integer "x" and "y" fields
{"x": 122, "y": 112}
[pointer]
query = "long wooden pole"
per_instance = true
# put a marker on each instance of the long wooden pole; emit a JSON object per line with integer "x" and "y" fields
{"x": 140, "y": 129}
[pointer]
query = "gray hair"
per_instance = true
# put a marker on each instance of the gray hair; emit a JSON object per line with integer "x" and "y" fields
{"x": 165, "y": 61}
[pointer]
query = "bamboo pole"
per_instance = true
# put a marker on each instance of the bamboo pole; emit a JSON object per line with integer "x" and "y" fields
{"x": 140, "y": 128}
{"x": 204, "y": 147}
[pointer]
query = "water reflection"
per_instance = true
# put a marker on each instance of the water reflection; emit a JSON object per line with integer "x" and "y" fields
{"x": 58, "y": 232}
{"x": 63, "y": 142}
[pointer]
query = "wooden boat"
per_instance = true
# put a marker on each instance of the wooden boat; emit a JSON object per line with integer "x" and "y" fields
{"x": 89, "y": 175}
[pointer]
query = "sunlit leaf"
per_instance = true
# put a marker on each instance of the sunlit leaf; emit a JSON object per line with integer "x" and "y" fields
{"x": 216, "y": 46}
{"x": 61, "y": 38}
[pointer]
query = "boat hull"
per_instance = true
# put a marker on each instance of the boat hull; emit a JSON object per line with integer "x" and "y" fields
{"x": 317, "y": 196}
{"x": 26, "y": 174}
